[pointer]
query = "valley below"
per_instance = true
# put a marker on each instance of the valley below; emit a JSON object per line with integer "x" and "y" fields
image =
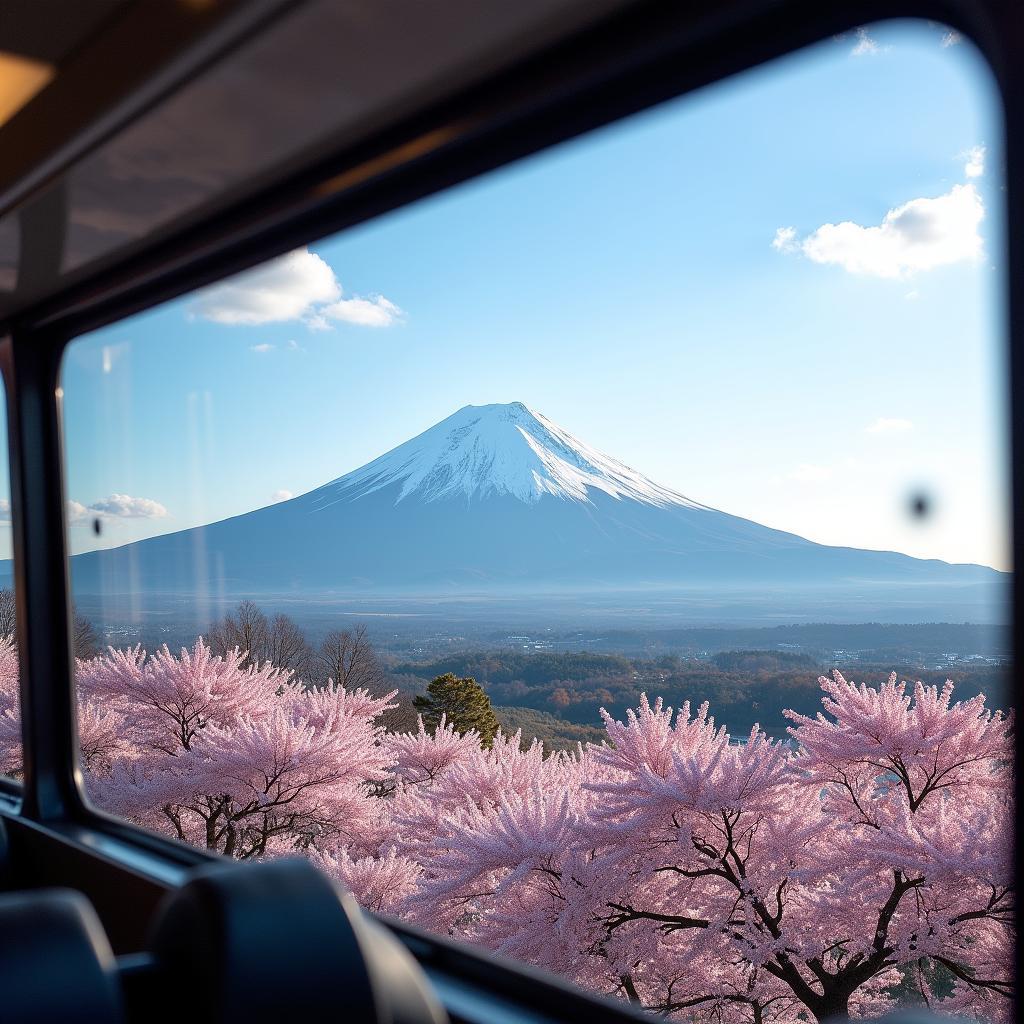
{"x": 548, "y": 671}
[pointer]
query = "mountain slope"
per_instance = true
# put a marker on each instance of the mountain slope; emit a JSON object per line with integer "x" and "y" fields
{"x": 493, "y": 498}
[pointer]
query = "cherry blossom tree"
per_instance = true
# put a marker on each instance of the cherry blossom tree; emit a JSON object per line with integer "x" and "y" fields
{"x": 10, "y": 708}
{"x": 698, "y": 876}
{"x": 233, "y": 756}
{"x": 423, "y": 756}
{"x": 923, "y": 789}
{"x": 99, "y": 727}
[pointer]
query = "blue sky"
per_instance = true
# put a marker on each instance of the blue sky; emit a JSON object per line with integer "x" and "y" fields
{"x": 627, "y": 286}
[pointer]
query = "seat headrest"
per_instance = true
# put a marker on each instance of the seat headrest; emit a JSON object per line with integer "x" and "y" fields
{"x": 279, "y": 940}
{"x": 56, "y": 964}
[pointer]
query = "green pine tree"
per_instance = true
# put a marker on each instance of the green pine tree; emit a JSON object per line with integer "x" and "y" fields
{"x": 463, "y": 703}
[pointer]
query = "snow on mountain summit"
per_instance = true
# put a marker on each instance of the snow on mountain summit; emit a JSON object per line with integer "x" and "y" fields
{"x": 500, "y": 450}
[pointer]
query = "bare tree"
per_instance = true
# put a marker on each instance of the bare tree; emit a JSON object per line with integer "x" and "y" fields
{"x": 83, "y": 635}
{"x": 348, "y": 658}
{"x": 287, "y": 646}
{"x": 279, "y": 640}
{"x": 246, "y": 630}
{"x": 8, "y": 620}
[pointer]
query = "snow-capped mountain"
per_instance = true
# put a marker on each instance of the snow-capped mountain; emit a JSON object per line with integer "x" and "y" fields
{"x": 498, "y": 499}
{"x": 485, "y": 451}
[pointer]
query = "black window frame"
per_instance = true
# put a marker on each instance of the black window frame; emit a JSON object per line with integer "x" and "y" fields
{"x": 648, "y": 53}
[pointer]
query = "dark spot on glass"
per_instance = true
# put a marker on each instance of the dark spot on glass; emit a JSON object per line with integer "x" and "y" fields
{"x": 96, "y": 527}
{"x": 920, "y": 505}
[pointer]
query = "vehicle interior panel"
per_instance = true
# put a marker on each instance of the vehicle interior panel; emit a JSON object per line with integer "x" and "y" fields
{"x": 182, "y": 141}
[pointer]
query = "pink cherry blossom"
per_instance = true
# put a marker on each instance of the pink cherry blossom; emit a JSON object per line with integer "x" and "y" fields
{"x": 423, "y": 756}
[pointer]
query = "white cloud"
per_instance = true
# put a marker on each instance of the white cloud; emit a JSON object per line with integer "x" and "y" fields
{"x": 77, "y": 512}
{"x": 889, "y": 425}
{"x": 123, "y": 506}
{"x": 913, "y": 295}
{"x": 785, "y": 240}
{"x": 117, "y": 506}
{"x": 373, "y": 312}
{"x": 262, "y": 347}
{"x": 975, "y": 166}
{"x": 865, "y": 45}
{"x": 293, "y": 346}
{"x": 951, "y": 38}
{"x": 281, "y": 495}
{"x": 806, "y": 473}
{"x": 297, "y": 286}
{"x": 286, "y": 288}
{"x": 919, "y": 235}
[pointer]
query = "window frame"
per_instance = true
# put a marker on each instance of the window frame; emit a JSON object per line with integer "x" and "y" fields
{"x": 646, "y": 54}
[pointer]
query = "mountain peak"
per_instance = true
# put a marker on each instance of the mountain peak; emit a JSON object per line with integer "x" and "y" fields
{"x": 513, "y": 412}
{"x": 504, "y": 449}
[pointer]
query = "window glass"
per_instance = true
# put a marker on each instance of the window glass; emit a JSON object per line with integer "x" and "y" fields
{"x": 10, "y": 698}
{"x": 366, "y": 64}
{"x": 606, "y": 561}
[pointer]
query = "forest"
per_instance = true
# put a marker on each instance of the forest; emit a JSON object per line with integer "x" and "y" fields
{"x": 743, "y": 687}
